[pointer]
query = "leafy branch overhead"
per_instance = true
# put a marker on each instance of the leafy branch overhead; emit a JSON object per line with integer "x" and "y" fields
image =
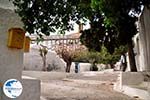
{"x": 45, "y": 16}
{"x": 121, "y": 15}
{"x": 112, "y": 21}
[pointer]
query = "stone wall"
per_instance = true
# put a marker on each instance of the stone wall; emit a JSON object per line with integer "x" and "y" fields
{"x": 31, "y": 89}
{"x": 142, "y": 42}
{"x": 33, "y": 61}
{"x": 11, "y": 59}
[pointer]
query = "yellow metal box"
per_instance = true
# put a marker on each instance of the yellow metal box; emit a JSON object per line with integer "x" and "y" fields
{"x": 26, "y": 46}
{"x": 16, "y": 38}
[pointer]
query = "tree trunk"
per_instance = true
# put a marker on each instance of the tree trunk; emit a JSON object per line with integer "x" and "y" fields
{"x": 131, "y": 57}
{"x": 44, "y": 63}
{"x": 68, "y": 67}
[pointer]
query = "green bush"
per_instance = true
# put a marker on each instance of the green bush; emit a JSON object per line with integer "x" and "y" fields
{"x": 94, "y": 67}
{"x": 100, "y": 57}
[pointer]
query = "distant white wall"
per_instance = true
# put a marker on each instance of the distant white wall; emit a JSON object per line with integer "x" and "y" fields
{"x": 33, "y": 60}
{"x": 86, "y": 67}
{"x": 82, "y": 67}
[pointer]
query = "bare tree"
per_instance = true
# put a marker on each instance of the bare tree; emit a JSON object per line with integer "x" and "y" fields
{"x": 43, "y": 52}
{"x": 68, "y": 53}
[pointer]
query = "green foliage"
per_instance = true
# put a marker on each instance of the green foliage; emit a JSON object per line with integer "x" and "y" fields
{"x": 80, "y": 57}
{"x": 112, "y": 21}
{"x": 100, "y": 57}
{"x": 99, "y": 34}
{"x": 45, "y": 16}
{"x": 111, "y": 16}
{"x": 121, "y": 14}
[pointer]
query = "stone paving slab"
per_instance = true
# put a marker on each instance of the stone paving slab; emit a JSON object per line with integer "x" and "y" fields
{"x": 82, "y": 86}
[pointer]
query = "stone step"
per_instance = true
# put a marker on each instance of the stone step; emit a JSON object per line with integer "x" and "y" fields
{"x": 141, "y": 90}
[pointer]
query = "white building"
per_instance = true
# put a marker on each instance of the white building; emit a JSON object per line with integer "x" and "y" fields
{"x": 142, "y": 42}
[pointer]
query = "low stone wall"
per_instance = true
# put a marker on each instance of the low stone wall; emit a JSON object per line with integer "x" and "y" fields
{"x": 31, "y": 89}
{"x": 131, "y": 78}
{"x": 86, "y": 67}
{"x": 82, "y": 67}
{"x": 45, "y": 75}
{"x": 133, "y": 84}
{"x": 128, "y": 78}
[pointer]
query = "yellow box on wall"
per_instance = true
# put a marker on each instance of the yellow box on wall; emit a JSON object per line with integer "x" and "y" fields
{"x": 16, "y": 38}
{"x": 26, "y": 46}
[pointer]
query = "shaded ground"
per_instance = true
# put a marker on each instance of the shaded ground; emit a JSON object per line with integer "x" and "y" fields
{"x": 83, "y": 86}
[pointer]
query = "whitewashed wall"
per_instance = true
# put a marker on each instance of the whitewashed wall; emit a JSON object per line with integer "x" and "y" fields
{"x": 33, "y": 60}
{"x": 142, "y": 42}
{"x": 11, "y": 60}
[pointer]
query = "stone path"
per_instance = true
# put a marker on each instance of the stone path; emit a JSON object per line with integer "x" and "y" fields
{"x": 83, "y": 86}
{"x": 72, "y": 90}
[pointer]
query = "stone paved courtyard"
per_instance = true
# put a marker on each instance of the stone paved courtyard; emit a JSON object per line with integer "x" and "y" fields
{"x": 82, "y": 86}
